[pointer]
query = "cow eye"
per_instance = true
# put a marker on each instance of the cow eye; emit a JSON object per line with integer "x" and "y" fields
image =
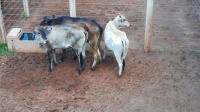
{"x": 38, "y": 33}
{"x": 124, "y": 19}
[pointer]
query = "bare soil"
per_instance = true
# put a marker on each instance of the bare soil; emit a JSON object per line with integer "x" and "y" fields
{"x": 165, "y": 80}
{"x": 155, "y": 81}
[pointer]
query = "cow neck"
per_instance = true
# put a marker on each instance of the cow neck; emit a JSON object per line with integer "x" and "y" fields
{"x": 116, "y": 22}
{"x": 42, "y": 31}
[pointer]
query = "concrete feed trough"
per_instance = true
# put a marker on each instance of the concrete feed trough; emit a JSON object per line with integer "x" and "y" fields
{"x": 22, "y": 42}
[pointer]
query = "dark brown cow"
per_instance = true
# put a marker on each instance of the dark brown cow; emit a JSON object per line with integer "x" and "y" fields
{"x": 94, "y": 30}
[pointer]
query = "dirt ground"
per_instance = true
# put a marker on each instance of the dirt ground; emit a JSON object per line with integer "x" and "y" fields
{"x": 165, "y": 80}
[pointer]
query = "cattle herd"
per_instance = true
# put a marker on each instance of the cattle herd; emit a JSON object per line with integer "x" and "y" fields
{"x": 75, "y": 32}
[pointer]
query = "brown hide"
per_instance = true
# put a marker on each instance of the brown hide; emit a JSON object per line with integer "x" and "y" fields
{"x": 94, "y": 38}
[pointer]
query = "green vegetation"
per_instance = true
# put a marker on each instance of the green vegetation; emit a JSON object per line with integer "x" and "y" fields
{"x": 4, "y": 51}
{"x": 164, "y": 46}
{"x": 195, "y": 52}
{"x": 23, "y": 14}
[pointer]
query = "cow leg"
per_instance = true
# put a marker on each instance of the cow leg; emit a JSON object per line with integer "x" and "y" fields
{"x": 81, "y": 62}
{"x": 62, "y": 56}
{"x": 80, "y": 59}
{"x": 119, "y": 61}
{"x": 95, "y": 44}
{"x": 49, "y": 59}
{"x": 123, "y": 64}
{"x": 105, "y": 51}
{"x": 99, "y": 41}
{"x": 52, "y": 60}
{"x": 99, "y": 55}
{"x": 98, "y": 47}
{"x": 54, "y": 57}
{"x": 95, "y": 59}
{"x": 83, "y": 52}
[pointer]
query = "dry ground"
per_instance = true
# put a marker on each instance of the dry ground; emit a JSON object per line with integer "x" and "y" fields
{"x": 165, "y": 80}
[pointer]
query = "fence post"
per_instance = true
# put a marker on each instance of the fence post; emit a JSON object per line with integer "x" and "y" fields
{"x": 72, "y": 6}
{"x": 148, "y": 27}
{"x": 26, "y": 8}
{"x": 3, "y": 33}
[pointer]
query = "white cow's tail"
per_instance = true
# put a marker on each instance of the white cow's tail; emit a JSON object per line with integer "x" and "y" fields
{"x": 123, "y": 54}
{"x": 123, "y": 49}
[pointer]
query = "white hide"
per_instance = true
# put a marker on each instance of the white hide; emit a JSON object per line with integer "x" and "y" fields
{"x": 116, "y": 41}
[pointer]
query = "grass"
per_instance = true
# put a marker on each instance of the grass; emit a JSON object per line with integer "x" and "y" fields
{"x": 4, "y": 51}
{"x": 23, "y": 14}
{"x": 195, "y": 52}
{"x": 164, "y": 46}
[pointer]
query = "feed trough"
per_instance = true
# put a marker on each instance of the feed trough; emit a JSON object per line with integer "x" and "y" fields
{"x": 20, "y": 41}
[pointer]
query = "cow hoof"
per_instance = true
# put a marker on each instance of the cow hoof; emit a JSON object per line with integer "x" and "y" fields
{"x": 55, "y": 64}
{"x": 100, "y": 60}
{"x": 92, "y": 68}
{"x": 79, "y": 72}
{"x": 62, "y": 59}
{"x": 119, "y": 76}
{"x": 75, "y": 57}
{"x": 49, "y": 70}
{"x": 103, "y": 58}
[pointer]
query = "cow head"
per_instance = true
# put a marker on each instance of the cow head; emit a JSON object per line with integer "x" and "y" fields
{"x": 41, "y": 33}
{"x": 44, "y": 21}
{"x": 47, "y": 21}
{"x": 123, "y": 22}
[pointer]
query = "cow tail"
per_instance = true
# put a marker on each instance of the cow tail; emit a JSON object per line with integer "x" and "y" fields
{"x": 100, "y": 37}
{"x": 123, "y": 54}
{"x": 86, "y": 36}
{"x": 123, "y": 50}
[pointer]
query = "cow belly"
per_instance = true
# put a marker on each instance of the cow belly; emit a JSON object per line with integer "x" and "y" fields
{"x": 61, "y": 45}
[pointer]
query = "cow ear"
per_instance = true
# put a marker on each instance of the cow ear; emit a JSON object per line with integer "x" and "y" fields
{"x": 45, "y": 18}
{"x": 120, "y": 15}
{"x": 48, "y": 28}
{"x": 52, "y": 17}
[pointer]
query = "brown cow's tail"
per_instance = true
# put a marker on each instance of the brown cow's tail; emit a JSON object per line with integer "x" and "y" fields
{"x": 100, "y": 37}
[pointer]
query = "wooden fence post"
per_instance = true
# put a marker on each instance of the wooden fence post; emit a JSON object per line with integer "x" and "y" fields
{"x": 3, "y": 31}
{"x": 72, "y": 5}
{"x": 26, "y": 8}
{"x": 148, "y": 27}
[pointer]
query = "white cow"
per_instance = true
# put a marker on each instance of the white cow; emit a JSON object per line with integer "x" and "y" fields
{"x": 117, "y": 40}
{"x": 61, "y": 37}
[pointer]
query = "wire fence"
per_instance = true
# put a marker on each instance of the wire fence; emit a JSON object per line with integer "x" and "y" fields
{"x": 170, "y": 17}
{"x": 15, "y": 16}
